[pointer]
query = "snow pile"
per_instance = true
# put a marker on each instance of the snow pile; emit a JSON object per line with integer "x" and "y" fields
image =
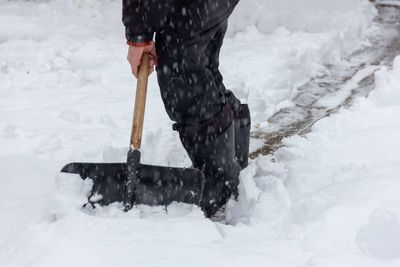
{"x": 21, "y": 28}
{"x": 380, "y": 237}
{"x": 306, "y": 15}
{"x": 296, "y": 40}
{"x": 328, "y": 188}
{"x": 388, "y": 2}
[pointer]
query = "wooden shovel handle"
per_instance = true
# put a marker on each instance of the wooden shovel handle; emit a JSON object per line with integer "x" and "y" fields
{"x": 140, "y": 102}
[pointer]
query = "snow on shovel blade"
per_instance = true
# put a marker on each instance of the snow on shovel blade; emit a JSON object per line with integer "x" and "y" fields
{"x": 158, "y": 185}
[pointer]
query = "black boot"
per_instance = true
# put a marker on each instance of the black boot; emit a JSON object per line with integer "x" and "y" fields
{"x": 242, "y": 135}
{"x": 211, "y": 147}
{"x": 242, "y": 123}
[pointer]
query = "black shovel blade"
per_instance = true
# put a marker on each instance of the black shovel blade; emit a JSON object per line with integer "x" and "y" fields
{"x": 158, "y": 185}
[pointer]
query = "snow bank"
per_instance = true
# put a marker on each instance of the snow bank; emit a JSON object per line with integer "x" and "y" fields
{"x": 16, "y": 27}
{"x": 296, "y": 40}
{"x": 380, "y": 236}
{"x": 306, "y": 15}
{"x": 337, "y": 188}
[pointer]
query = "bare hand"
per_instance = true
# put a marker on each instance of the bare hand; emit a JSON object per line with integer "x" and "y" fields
{"x": 135, "y": 54}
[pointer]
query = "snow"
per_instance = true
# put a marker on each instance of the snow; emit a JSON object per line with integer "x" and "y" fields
{"x": 314, "y": 16}
{"x": 380, "y": 237}
{"x": 336, "y": 182}
{"x": 295, "y": 40}
{"x": 66, "y": 94}
{"x": 388, "y": 2}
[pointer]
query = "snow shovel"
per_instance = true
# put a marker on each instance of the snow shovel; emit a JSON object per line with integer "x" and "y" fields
{"x": 134, "y": 183}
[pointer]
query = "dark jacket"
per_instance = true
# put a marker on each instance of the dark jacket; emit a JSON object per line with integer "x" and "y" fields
{"x": 142, "y": 18}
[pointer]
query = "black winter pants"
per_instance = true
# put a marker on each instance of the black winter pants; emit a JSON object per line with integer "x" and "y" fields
{"x": 188, "y": 75}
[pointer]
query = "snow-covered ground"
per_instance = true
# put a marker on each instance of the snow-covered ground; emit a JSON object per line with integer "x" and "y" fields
{"x": 66, "y": 94}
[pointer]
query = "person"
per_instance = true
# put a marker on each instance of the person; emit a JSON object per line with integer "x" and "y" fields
{"x": 214, "y": 127}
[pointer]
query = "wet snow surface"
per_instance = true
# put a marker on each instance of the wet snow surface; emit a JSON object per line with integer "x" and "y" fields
{"x": 327, "y": 196}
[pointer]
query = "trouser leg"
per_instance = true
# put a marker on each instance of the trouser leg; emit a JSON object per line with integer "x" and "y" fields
{"x": 186, "y": 75}
{"x": 196, "y": 99}
{"x": 241, "y": 112}
{"x": 211, "y": 147}
{"x": 242, "y": 122}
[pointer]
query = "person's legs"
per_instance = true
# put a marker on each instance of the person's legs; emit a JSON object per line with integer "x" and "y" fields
{"x": 213, "y": 51}
{"x": 187, "y": 85}
{"x": 195, "y": 98}
{"x": 241, "y": 112}
{"x": 211, "y": 147}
